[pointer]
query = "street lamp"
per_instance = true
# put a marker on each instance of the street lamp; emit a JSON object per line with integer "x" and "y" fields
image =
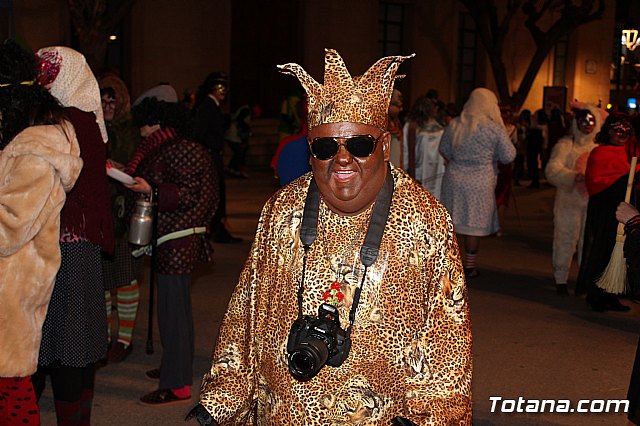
{"x": 630, "y": 39}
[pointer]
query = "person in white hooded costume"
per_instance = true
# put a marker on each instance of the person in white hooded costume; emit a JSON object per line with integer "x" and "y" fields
{"x": 421, "y": 137}
{"x": 565, "y": 170}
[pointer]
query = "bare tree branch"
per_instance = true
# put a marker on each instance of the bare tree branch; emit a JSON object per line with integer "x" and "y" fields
{"x": 512, "y": 9}
{"x": 572, "y": 14}
{"x": 533, "y": 16}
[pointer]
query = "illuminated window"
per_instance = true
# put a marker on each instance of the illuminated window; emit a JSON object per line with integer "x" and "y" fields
{"x": 630, "y": 39}
{"x": 625, "y": 59}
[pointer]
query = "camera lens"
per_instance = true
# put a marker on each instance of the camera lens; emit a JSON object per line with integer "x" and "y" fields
{"x": 308, "y": 358}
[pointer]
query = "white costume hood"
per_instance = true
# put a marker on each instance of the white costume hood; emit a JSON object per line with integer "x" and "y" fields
{"x": 580, "y": 138}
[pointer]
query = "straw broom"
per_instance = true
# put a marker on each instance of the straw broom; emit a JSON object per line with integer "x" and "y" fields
{"x": 614, "y": 278}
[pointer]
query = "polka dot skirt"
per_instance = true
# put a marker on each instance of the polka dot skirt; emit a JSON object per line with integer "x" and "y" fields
{"x": 75, "y": 329}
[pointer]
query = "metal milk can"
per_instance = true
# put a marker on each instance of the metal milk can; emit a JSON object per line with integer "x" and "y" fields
{"x": 141, "y": 226}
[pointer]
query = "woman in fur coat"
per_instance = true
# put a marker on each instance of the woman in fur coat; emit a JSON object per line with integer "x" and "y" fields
{"x": 39, "y": 163}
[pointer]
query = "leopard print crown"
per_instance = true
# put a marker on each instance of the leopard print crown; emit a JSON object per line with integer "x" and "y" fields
{"x": 360, "y": 99}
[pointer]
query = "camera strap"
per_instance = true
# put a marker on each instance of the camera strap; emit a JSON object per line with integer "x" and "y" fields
{"x": 370, "y": 247}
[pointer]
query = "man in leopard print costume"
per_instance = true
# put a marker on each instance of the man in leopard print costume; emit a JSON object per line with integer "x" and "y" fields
{"x": 410, "y": 360}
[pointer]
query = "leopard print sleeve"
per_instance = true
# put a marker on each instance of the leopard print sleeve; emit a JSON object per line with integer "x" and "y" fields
{"x": 229, "y": 388}
{"x": 441, "y": 393}
{"x": 233, "y": 386}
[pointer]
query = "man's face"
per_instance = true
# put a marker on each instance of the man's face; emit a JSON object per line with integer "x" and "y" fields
{"x": 349, "y": 184}
{"x": 219, "y": 92}
{"x": 108, "y": 107}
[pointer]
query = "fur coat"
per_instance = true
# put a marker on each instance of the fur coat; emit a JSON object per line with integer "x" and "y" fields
{"x": 37, "y": 168}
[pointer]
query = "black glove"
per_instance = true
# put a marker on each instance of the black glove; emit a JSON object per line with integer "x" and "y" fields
{"x": 401, "y": 421}
{"x": 201, "y": 415}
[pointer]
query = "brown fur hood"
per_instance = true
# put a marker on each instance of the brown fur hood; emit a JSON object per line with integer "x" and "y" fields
{"x": 37, "y": 168}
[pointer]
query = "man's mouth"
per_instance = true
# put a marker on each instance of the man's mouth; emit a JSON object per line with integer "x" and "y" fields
{"x": 343, "y": 175}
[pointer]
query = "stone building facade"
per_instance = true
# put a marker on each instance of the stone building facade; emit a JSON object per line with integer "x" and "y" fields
{"x": 181, "y": 41}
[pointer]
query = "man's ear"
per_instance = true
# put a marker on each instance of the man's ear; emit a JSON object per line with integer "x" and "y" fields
{"x": 386, "y": 145}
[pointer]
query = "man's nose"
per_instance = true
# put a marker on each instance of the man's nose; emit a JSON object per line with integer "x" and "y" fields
{"x": 343, "y": 156}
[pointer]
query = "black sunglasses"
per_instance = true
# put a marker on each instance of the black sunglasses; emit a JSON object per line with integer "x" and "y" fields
{"x": 325, "y": 148}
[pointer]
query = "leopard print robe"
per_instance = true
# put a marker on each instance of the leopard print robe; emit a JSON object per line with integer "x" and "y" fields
{"x": 411, "y": 353}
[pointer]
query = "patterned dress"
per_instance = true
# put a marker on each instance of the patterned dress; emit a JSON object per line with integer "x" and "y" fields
{"x": 468, "y": 187}
{"x": 187, "y": 198}
{"x": 411, "y": 342}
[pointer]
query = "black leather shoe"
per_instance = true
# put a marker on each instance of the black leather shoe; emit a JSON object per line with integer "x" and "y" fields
{"x": 607, "y": 302}
{"x": 615, "y": 305}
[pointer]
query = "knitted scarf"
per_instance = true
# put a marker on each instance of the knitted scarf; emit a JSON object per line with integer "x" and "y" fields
{"x": 149, "y": 145}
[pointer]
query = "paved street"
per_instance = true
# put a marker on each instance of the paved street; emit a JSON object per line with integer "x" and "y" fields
{"x": 528, "y": 341}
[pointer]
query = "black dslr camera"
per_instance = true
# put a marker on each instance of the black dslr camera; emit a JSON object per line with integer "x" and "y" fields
{"x": 314, "y": 342}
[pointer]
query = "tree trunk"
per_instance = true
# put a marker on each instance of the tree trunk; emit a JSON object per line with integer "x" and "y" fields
{"x": 520, "y": 95}
{"x": 500, "y": 76}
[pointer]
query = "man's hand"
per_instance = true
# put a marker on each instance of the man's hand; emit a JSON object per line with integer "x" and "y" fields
{"x": 625, "y": 212}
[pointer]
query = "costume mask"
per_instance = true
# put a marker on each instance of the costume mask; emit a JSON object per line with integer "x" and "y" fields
{"x": 585, "y": 121}
{"x": 362, "y": 99}
{"x": 621, "y": 128}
